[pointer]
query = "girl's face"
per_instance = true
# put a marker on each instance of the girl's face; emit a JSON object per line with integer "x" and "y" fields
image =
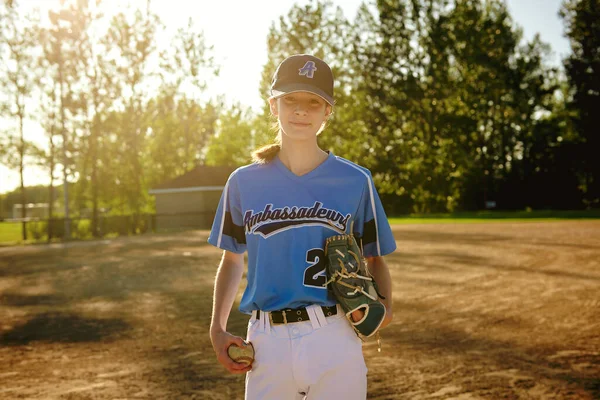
{"x": 300, "y": 114}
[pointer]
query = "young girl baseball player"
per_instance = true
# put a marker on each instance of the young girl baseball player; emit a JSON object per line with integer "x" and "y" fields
{"x": 281, "y": 209}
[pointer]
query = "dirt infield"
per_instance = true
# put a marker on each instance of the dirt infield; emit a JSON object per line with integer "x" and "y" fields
{"x": 482, "y": 311}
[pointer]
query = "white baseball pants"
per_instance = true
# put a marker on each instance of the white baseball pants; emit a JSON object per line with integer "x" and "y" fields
{"x": 320, "y": 359}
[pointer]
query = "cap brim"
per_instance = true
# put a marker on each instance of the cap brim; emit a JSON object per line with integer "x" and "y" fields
{"x": 299, "y": 87}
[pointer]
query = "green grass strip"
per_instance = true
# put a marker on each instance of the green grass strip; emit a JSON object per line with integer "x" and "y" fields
{"x": 10, "y": 232}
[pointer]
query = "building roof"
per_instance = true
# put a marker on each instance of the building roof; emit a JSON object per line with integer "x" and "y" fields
{"x": 200, "y": 178}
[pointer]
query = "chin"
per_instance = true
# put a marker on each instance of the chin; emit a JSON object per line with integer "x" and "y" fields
{"x": 301, "y": 134}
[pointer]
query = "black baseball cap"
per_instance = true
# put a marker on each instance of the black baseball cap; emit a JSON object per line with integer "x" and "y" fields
{"x": 303, "y": 73}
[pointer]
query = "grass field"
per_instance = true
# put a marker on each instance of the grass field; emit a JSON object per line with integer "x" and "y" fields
{"x": 481, "y": 311}
{"x": 10, "y": 232}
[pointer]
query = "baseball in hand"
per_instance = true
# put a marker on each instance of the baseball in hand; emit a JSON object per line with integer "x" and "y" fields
{"x": 242, "y": 355}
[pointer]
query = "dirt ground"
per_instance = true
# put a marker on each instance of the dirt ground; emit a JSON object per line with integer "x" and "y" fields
{"x": 482, "y": 311}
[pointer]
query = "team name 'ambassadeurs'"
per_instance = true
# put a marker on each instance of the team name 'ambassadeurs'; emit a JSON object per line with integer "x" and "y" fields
{"x": 273, "y": 220}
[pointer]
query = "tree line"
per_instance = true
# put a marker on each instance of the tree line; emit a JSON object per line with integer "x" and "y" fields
{"x": 443, "y": 100}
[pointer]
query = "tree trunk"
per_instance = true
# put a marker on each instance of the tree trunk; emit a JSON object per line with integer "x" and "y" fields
{"x": 65, "y": 140}
{"x": 94, "y": 144}
{"x": 23, "y": 195}
{"x": 51, "y": 187}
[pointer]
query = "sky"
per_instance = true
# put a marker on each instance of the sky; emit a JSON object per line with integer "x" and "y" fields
{"x": 238, "y": 29}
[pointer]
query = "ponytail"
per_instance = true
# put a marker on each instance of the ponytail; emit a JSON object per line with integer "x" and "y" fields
{"x": 267, "y": 153}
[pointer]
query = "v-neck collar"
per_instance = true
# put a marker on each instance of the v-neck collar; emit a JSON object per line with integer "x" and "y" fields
{"x": 308, "y": 175}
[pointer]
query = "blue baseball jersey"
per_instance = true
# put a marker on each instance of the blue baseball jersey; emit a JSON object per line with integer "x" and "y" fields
{"x": 283, "y": 220}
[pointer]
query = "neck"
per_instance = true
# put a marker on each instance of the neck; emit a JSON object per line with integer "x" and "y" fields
{"x": 301, "y": 157}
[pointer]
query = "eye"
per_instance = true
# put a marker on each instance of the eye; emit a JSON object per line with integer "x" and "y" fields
{"x": 289, "y": 99}
{"x": 315, "y": 103}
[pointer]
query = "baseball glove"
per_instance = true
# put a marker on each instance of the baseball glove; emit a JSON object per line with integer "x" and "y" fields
{"x": 352, "y": 285}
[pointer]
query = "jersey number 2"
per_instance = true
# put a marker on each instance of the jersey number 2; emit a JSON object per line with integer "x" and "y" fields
{"x": 314, "y": 275}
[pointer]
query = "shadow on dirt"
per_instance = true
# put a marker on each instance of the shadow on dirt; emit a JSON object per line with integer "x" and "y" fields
{"x": 483, "y": 355}
{"x": 116, "y": 280}
{"x": 34, "y": 264}
{"x": 41, "y": 259}
{"x": 456, "y": 260}
{"x": 23, "y": 300}
{"x": 475, "y": 262}
{"x": 187, "y": 373}
{"x": 59, "y": 327}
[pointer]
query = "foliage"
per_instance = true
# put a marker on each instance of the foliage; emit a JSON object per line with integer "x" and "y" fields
{"x": 451, "y": 96}
{"x": 19, "y": 79}
{"x": 582, "y": 21}
{"x": 320, "y": 29}
{"x": 37, "y": 229}
{"x": 178, "y": 130}
{"x": 233, "y": 143}
{"x": 443, "y": 100}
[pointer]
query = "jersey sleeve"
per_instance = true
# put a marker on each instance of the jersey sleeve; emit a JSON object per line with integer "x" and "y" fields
{"x": 227, "y": 231}
{"x": 371, "y": 223}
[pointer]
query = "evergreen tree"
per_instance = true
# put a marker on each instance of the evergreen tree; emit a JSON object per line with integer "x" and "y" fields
{"x": 582, "y": 22}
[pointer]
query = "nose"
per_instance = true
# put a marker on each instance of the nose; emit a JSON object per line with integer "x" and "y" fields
{"x": 300, "y": 108}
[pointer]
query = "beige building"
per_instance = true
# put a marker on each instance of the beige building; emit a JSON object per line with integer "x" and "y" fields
{"x": 190, "y": 201}
{"x": 33, "y": 211}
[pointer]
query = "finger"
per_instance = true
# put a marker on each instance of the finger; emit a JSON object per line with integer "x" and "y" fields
{"x": 238, "y": 341}
{"x": 238, "y": 368}
{"x": 247, "y": 369}
{"x": 230, "y": 364}
{"x": 244, "y": 368}
{"x": 242, "y": 371}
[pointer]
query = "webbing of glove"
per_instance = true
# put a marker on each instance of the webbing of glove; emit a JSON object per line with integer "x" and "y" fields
{"x": 351, "y": 284}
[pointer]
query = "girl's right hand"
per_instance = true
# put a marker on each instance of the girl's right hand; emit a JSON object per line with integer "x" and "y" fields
{"x": 221, "y": 340}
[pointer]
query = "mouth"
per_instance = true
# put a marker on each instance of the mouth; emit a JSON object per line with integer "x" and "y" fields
{"x": 299, "y": 124}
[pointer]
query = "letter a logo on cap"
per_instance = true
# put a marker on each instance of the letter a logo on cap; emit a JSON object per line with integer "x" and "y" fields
{"x": 308, "y": 69}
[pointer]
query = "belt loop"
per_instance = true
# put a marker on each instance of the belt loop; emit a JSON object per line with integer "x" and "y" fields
{"x": 254, "y": 315}
{"x": 321, "y": 316}
{"x": 263, "y": 320}
{"x": 312, "y": 315}
{"x": 267, "y": 322}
